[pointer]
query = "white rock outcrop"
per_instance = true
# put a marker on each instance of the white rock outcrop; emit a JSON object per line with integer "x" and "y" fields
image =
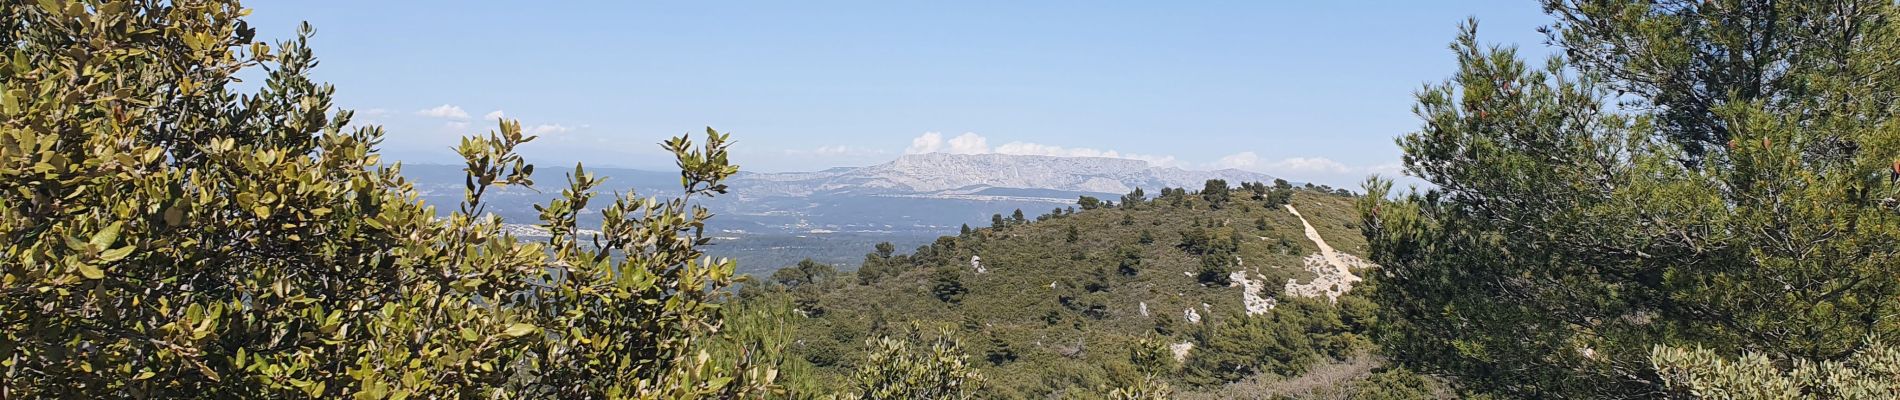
{"x": 1180, "y": 350}
{"x": 1332, "y": 270}
{"x": 1250, "y": 293}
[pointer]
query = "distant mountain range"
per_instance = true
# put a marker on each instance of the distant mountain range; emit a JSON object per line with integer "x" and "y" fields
{"x": 777, "y": 218}
{"x": 977, "y": 174}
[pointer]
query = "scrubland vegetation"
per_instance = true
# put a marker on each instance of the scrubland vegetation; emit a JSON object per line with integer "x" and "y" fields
{"x": 1693, "y": 199}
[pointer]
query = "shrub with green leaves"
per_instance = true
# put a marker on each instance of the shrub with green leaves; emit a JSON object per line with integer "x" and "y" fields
{"x": 1872, "y": 372}
{"x": 912, "y": 366}
{"x": 165, "y": 235}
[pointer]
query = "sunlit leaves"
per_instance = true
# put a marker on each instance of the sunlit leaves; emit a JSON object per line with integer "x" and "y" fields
{"x": 169, "y": 236}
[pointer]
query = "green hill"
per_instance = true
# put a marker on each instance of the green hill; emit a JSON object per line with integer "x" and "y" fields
{"x": 1074, "y": 302}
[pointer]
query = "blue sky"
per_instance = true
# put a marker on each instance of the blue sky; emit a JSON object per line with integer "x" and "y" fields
{"x": 1303, "y": 90}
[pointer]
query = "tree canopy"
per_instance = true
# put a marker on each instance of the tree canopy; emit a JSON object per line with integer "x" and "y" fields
{"x": 1711, "y": 175}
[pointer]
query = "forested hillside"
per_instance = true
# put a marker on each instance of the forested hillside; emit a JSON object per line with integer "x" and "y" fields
{"x": 1080, "y": 302}
{"x": 1695, "y": 200}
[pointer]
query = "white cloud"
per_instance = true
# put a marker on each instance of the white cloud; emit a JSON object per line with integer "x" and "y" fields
{"x": 929, "y": 142}
{"x": 1294, "y": 166}
{"x": 972, "y": 143}
{"x": 932, "y": 142}
{"x": 1297, "y": 168}
{"x": 1245, "y": 159}
{"x": 1038, "y": 149}
{"x": 444, "y": 111}
{"x": 969, "y": 143}
{"x": 493, "y": 115}
{"x": 544, "y": 129}
{"x": 1309, "y": 165}
{"x": 1313, "y": 169}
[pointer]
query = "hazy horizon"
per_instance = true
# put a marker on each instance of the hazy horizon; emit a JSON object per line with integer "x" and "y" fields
{"x": 1309, "y": 92}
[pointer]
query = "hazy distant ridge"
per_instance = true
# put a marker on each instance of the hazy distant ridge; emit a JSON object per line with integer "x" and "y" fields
{"x": 960, "y": 174}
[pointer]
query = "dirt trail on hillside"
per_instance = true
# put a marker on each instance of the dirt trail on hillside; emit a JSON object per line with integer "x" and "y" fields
{"x": 1333, "y": 270}
{"x": 1332, "y": 274}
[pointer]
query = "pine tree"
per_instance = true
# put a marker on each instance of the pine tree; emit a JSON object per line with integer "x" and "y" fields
{"x": 1130, "y": 263}
{"x": 1216, "y": 193}
{"x": 885, "y": 250}
{"x": 1000, "y": 352}
{"x": 1134, "y": 198}
{"x": 947, "y": 285}
{"x": 1742, "y": 206}
{"x": 806, "y": 272}
{"x": 1089, "y": 202}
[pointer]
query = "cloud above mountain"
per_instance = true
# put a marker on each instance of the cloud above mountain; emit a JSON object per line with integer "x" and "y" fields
{"x": 1318, "y": 169}
{"x": 1306, "y": 168}
{"x": 972, "y": 143}
{"x": 1293, "y": 165}
{"x": 933, "y": 142}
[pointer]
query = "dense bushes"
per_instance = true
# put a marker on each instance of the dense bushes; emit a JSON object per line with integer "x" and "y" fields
{"x": 1066, "y": 296}
{"x": 167, "y": 236}
{"x": 1870, "y": 372}
{"x": 913, "y": 366}
{"x": 1282, "y": 342}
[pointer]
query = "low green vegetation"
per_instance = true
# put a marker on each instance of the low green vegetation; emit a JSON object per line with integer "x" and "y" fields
{"x": 1079, "y": 304}
{"x": 1697, "y": 199}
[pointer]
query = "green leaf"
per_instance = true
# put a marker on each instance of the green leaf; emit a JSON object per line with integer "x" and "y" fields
{"x": 91, "y": 271}
{"x": 106, "y": 236}
{"x": 9, "y": 102}
{"x": 518, "y": 329}
{"x": 52, "y": 7}
{"x": 116, "y": 254}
